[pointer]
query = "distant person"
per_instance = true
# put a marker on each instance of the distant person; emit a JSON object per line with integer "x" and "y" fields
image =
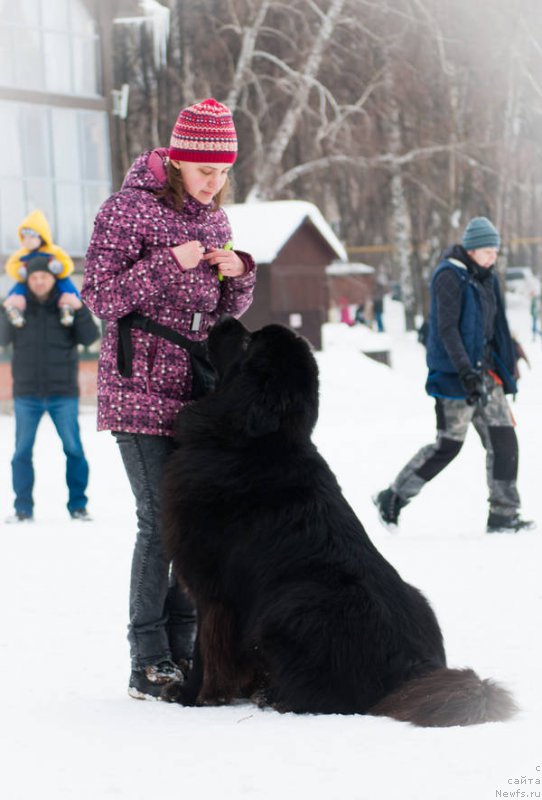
{"x": 471, "y": 359}
{"x": 45, "y": 370}
{"x": 359, "y": 316}
{"x": 36, "y": 239}
{"x": 535, "y": 315}
{"x": 346, "y": 316}
{"x": 378, "y": 303}
{"x": 162, "y": 247}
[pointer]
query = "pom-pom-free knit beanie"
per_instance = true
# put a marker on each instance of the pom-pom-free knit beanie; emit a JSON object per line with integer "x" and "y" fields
{"x": 480, "y": 232}
{"x": 204, "y": 132}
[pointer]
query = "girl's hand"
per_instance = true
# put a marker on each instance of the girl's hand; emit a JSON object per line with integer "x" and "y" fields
{"x": 189, "y": 254}
{"x": 228, "y": 263}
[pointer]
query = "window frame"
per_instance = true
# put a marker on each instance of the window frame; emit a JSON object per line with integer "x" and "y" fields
{"x": 74, "y": 37}
{"x": 18, "y": 179}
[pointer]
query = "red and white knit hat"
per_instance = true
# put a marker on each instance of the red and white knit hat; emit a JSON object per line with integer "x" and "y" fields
{"x": 204, "y": 132}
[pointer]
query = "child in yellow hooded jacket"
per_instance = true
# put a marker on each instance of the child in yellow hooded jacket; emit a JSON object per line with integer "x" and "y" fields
{"x": 36, "y": 239}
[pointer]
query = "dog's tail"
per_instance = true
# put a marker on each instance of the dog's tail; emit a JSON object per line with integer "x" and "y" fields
{"x": 447, "y": 697}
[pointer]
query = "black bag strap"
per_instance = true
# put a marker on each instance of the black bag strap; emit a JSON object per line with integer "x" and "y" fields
{"x": 135, "y": 320}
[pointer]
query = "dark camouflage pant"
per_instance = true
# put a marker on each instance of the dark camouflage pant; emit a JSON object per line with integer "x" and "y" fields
{"x": 495, "y": 426}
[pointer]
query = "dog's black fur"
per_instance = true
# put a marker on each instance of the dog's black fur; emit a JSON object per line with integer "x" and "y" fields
{"x": 296, "y": 607}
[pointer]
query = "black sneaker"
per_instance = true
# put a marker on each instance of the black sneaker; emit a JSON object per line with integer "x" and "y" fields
{"x": 151, "y": 682}
{"x": 389, "y": 506}
{"x": 81, "y": 514}
{"x": 499, "y": 523}
{"x": 19, "y": 516}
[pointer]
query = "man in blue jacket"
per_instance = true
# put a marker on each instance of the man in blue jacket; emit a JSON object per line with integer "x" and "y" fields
{"x": 471, "y": 362}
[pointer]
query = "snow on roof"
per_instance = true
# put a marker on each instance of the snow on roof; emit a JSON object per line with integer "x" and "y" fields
{"x": 350, "y": 268}
{"x": 263, "y": 228}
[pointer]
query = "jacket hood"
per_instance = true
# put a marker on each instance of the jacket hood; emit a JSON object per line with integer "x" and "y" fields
{"x": 36, "y": 220}
{"x": 455, "y": 251}
{"x": 148, "y": 171}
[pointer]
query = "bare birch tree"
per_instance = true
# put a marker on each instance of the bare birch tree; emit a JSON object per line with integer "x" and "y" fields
{"x": 303, "y": 83}
{"x": 400, "y": 119}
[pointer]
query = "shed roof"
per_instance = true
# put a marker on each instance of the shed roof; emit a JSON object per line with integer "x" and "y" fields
{"x": 351, "y": 268}
{"x": 263, "y": 228}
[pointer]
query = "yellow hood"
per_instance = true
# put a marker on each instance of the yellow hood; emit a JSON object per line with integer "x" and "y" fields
{"x": 36, "y": 220}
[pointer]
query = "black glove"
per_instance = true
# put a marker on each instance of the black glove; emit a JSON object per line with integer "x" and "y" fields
{"x": 473, "y": 384}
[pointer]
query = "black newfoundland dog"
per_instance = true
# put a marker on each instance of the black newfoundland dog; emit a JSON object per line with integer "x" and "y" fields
{"x": 296, "y": 607}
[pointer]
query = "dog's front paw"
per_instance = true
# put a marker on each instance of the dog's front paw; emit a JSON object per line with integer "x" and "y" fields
{"x": 261, "y": 697}
{"x": 178, "y": 693}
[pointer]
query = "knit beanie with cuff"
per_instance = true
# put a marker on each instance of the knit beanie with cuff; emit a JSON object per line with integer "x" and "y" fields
{"x": 480, "y": 232}
{"x": 203, "y": 133}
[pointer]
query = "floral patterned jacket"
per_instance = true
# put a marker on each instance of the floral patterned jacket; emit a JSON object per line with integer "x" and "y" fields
{"x": 130, "y": 267}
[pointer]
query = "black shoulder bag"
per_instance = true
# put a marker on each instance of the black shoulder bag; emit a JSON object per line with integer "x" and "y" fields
{"x": 203, "y": 373}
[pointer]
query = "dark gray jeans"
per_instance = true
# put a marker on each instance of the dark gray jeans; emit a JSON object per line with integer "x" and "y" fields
{"x": 162, "y": 618}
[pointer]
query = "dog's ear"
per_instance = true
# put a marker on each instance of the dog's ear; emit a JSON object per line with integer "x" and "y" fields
{"x": 275, "y": 386}
{"x": 226, "y": 344}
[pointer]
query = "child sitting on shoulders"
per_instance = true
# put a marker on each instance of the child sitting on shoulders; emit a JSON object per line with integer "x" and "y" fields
{"x": 35, "y": 236}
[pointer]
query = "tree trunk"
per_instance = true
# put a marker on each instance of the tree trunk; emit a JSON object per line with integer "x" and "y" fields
{"x": 511, "y": 125}
{"x": 271, "y": 165}
{"x": 244, "y": 62}
{"x": 400, "y": 215}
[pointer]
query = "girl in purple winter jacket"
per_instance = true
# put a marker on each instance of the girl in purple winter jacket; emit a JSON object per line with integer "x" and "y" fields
{"x": 161, "y": 246}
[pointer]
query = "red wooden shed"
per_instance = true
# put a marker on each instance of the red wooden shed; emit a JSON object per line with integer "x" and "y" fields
{"x": 293, "y": 245}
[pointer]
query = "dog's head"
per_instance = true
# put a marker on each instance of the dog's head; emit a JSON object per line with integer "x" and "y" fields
{"x": 269, "y": 378}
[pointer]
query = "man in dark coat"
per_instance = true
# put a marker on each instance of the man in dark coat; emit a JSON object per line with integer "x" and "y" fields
{"x": 471, "y": 360}
{"x": 44, "y": 368}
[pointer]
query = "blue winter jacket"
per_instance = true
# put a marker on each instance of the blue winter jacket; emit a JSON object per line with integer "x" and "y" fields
{"x": 443, "y": 379}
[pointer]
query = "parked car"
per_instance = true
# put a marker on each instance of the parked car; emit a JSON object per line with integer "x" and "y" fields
{"x": 521, "y": 281}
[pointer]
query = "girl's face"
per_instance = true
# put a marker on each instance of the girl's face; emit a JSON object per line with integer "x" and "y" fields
{"x": 203, "y": 181}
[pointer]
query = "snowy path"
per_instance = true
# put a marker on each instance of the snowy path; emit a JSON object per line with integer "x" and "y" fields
{"x": 70, "y": 731}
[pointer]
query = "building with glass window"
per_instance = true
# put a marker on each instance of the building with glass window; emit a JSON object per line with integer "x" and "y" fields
{"x": 55, "y": 96}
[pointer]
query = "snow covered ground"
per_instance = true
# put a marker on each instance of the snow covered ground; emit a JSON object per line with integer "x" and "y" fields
{"x": 68, "y": 728}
